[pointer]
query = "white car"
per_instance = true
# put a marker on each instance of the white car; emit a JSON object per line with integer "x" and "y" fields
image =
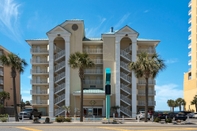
{"x": 195, "y": 115}
{"x": 141, "y": 115}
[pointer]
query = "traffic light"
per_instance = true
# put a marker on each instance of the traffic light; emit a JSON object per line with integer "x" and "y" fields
{"x": 107, "y": 89}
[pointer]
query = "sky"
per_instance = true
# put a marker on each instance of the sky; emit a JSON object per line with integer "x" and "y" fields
{"x": 164, "y": 20}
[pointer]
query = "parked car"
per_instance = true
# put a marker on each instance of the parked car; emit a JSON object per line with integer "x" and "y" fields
{"x": 195, "y": 115}
{"x": 188, "y": 113}
{"x": 160, "y": 115}
{"x": 28, "y": 113}
{"x": 177, "y": 116}
{"x": 141, "y": 115}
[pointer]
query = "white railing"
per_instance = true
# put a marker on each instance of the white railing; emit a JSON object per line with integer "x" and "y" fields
{"x": 39, "y": 61}
{"x": 93, "y": 71}
{"x": 93, "y": 81}
{"x": 93, "y": 51}
{"x": 124, "y": 65}
{"x": 60, "y": 76}
{"x": 190, "y": 3}
{"x": 125, "y": 54}
{"x": 42, "y": 81}
{"x": 41, "y": 50}
{"x": 60, "y": 65}
{"x": 125, "y": 76}
{"x": 39, "y": 92}
{"x": 125, "y": 110}
{"x": 189, "y": 45}
{"x": 125, "y": 98}
{"x": 97, "y": 61}
{"x": 34, "y": 102}
{"x": 1, "y": 73}
{"x": 59, "y": 87}
{"x": 59, "y": 111}
{"x": 60, "y": 54}
{"x": 125, "y": 87}
{"x": 144, "y": 82}
{"x": 128, "y": 49}
{"x": 39, "y": 71}
{"x": 60, "y": 98}
{"x": 189, "y": 37}
{"x": 150, "y": 51}
{"x": 150, "y": 103}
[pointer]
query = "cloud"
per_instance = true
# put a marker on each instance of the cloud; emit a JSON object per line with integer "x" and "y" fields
{"x": 122, "y": 20}
{"x": 92, "y": 31}
{"x": 166, "y": 92}
{"x": 9, "y": 15}
{"x": 29, "y": 77}
{"x": 171, "y": 61}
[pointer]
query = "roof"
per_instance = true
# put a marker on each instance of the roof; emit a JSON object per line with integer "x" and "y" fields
{"x": 91, "y": 39}
{"x": 37, "y": 39}
{"x": 140, "y": 39}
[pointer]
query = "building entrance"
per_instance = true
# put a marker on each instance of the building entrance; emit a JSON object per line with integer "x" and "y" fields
{"x": 89, "y": 112}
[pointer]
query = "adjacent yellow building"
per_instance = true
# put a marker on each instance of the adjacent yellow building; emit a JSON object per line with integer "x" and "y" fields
{"x": 55, "y": 84}
{"x": 190, "y": 77}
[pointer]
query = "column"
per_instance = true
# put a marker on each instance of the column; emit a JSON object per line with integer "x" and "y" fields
{"x": 51, "y": 76}
{"x": 134, "y": 80}
{"x": 104, "y": 108}
{"x": 117, "y": 75}
{"x": 67, "y": 73}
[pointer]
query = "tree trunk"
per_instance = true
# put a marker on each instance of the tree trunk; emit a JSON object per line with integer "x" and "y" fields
{"x": 13, "y": 73}
{"x": 180, "y": 108}
{"x": 81, "y": 106}
{"x": 196, "y": 107}
{"x": 146, "y": 100}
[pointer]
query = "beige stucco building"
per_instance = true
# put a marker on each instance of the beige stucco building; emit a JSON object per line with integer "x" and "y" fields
{"x": 55, "y": 84}
{"x": 6, "y": 81}
{"x": 190, "y": 77}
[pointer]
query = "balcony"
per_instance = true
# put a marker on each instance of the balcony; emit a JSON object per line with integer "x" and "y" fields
{"x": 42, "y": 71}
{"x": 149, "y": 51}
{"x": 190, "y": 4}
{"x": 189, "y": 62}
{"x": 93, "y": 51}
{"x": 189, "y": 45}
{"x": 40, "y": 92}
{"x": 150, "y": 93}
{"x": 189, "y": 37}
{"x": 189, "y": 29}
{"x": 39, "y": 51}
{"x": 97, "y": 61}
{"x": 150, "y": 103}
{"x": 39, "y": 82}
{"x": 39, "y": 61}
{"x": 1, "y": 82}
{"x": 1, "y": 73}
{"x": 39, "y": 102}
{"x": 189, "y": 20}
{"x": 189, "y": 54}
{"x": 93, "y": 82}
{"x": 143, "y": 82}
{"x": 190, "y": 12}
{"x": 93, "y": 71}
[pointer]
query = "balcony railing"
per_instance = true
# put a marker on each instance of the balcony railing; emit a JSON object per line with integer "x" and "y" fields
{"x": 150, "y": 92}
{"x": 93, "y": 71}
{"x": 125, "y": 54}
{"x": 189, "y": 29}
{"x": 39, "y": 102}
{"x": 1, "y": 82}
{"x": 60, "y": 76}
{"x": 97, "y": 61}
{"x": 190, "y": 3}
{"x": 41, "y": 92}
{"x": 142, "y": 103}
{"x": 189, "y": 62}
{"x": 189, "y": 12}
{"x": 60, "y": 54}
{"x": 189, "y": 54}
{"x": 41, "y": 61}
{"x": 41, "y": 50}
{"x": 189, "y": 20}
{"x": 42, "y": 81}
{"x": 93, "y": 51}
{"x": 189, "y": 45}
{"x": 93, "y": 81}
{"x": 39, "y": 71}
{"x": 142, "y": 82}
{"x": 1, "y": 73}
{"x": 189, "y": 37}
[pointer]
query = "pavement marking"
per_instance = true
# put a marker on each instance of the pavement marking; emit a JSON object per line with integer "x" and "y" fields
{"x": 29, "y": 129}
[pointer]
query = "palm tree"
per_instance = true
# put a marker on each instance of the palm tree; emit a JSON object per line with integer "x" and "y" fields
{"x": 17, "y": 65}
{"x": 184, "y": 104}
{"x": 172, "y": 104}
{"x": 147, "y": 66}
{"x": 180, "y": 102}
{"x": 80, "y": 61}
{"x": 3, "y": 96}
{"x": 67, "y": 110}
{"x": 194, "y": 102}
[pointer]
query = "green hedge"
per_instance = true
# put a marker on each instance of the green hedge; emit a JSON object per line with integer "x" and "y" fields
{"x": 63, "y": 119}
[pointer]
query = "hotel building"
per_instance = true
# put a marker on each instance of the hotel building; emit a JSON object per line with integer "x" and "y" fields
{"x": 6, "y": 82}
{"x": 190, "y": 77}
{"x": 55, "y": 84}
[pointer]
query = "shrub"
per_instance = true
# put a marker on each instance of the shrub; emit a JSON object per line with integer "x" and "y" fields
{"x": 157, "y": 119}
{"x": 168, "y": 120}
{"x": 60, "y": 119}
{"x": 3, "y": 119}
{"x": 68, "y": 119}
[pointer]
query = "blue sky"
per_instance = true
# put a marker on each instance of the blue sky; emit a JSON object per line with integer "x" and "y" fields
{"x": 166, "y": 20}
